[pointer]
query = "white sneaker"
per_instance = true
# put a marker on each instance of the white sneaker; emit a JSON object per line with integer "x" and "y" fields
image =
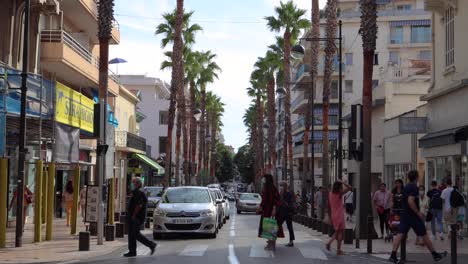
{"x": 441, "y": 236}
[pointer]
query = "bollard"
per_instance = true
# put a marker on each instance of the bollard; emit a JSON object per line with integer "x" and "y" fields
{"x": 318, "y": 224}
{"x": 38, "y": 202}
{"x": 324, "y": 228}
{"x": 110, "y": 232}
{"x": 453, "y": 244}
{"x": 314, "y": 223}
{"x": 119, "y": 230}
{"x": 403, "y": 248}
{"x": 310, "y": 221}
{"x": 83, "y": 243}
{"x": 116, "y": 217}
{"x": 122, "y": 218}
{"x": 50, "y": 200}
{"x": 348, "y": 236}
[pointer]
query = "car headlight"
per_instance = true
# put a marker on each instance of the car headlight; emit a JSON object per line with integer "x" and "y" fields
{"x": 159, "y": 212}
{"x": 207, "y": 213}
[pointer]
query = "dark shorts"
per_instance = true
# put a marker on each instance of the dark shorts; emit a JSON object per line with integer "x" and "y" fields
{"x": 349, "y": 208}
{"x": 411, "y": 222}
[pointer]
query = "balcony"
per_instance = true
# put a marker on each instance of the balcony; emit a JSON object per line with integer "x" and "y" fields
{"x": 65, "y": 57}
{"x": 84, "y": 15}
{"x": 298, "y": 126}
{"x": 439, "y": 6}
{"x": 387, "y": 13}
{"x": 130, "y": 142}
{"x": 297, "y": 102}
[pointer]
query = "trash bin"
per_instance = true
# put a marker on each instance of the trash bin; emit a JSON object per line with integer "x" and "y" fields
{"x": 83, "y": 241}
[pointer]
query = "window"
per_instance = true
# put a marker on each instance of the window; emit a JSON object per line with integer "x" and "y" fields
{"x": 319, "y": 163}
{"x": 348, "y": 86}
{"x": 376, "y": 59}
{"x": 396, "y": 35}
{"x": 425, "y": 55}
{"x": 334, "y": 90}
{"x": 349, "y": 59}
{"x": 333, "y": 120}
{"x": 404, "y": 7}
{"x": 449, "y": 20}
{"x": 335, "y": 63}
{"x": 162, "y": 144}
{"x": 375, "y": 83}
{"x": 420, "y": 34}
{"x": 394, "y": 57}
{"x": 163, "y": 117}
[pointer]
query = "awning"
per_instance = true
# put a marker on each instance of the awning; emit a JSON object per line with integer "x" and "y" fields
{"x": 421, "y": 22}
{"x": 445, "y": 137}
{"x": 153, "y": 164}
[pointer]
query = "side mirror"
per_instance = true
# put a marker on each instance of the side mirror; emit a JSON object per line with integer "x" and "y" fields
{"x": 219, "y": 201}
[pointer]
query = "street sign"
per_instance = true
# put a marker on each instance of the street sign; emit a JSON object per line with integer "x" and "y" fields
{"x": 412, "y": 125}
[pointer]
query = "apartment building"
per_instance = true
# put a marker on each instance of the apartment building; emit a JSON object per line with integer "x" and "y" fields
{"x": 401, "y": 76}
{"x": 444, "y": 147}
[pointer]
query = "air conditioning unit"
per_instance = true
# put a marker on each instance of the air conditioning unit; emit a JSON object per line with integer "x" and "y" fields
{"x": 49, "y": 7}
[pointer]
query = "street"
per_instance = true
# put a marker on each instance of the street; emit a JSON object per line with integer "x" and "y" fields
{"x": 237, "y": 242}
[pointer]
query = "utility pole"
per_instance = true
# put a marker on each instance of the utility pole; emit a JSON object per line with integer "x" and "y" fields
{"x": 22, "y": 140}
{"x": 340, "y": 102}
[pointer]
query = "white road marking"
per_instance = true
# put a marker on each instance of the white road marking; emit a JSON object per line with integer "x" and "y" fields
{"x": 258, "y": 251}
{"x": 312, "y": 253}
{"x": 232, "y": 255}
{"x": 194, "y": 251}
{"x": 381, "y": 256}
{"x": 232, "y": 233}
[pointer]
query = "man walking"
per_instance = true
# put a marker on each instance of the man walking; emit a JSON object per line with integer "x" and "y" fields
{"x": 136, "y": 214}
{"x": 412, "y": 218}
{"x": 450, "y": 214}
{"x": 435, "y": 207}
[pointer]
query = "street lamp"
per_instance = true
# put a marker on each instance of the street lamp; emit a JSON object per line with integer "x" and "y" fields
{"x": 297, "y": 52}
{"x": 197, "y": 113}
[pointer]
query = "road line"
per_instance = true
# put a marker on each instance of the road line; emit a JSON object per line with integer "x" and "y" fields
{"x": 194, "y": 251}
{"x": 232, "y": 233}
{"x": 232, "y": 255}
{"x": 312, "y": 253}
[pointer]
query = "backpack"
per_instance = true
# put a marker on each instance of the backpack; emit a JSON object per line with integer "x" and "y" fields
{"x": 456, "y": 199}
{"x": 436, "y": 201}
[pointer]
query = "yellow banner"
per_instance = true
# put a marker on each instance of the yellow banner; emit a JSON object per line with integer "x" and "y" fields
{"x": 73, "y": 109}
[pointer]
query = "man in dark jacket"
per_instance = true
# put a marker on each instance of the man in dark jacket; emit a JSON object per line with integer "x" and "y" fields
{"x": 136, "y": 214}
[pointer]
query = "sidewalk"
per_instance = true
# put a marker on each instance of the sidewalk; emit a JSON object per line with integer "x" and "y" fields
{"x": 63, "y": 247}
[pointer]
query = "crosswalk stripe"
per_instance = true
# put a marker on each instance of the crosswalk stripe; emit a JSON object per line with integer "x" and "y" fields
{"x": 194, "y": 251}
{"x": 312, "y": 253}
{"x": 258, "y": 251}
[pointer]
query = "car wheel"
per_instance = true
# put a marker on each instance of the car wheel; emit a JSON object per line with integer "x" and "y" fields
{"x": 213, "y": 236}
{"x": 239, "y": 211}
{"x": 157, "y": 236}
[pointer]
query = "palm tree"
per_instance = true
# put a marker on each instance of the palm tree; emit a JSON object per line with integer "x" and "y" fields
{"x": 187, "y": 35}
{"x": 209, "y": 71}
{"x": 250, "y": 119}
{"x": 290, "y": 19}
{"x": 368, "y": 32}
{"x": 215, "y": 110}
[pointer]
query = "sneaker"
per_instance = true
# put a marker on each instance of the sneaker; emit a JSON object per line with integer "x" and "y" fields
{"x": 129, "y": 255}
{"x": 290, "y": 244}
{"x": 153, "y": 249}
{"x": 441, "y": 237}
{"x": 439, "y": 256}
{"x": 394, "y": 259}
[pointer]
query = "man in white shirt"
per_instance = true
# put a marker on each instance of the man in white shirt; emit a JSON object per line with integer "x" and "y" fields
{"x": 450, "y": 214}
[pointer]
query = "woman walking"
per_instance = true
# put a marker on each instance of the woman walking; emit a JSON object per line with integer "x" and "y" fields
{"x": 397, "y": 197}
{"x": 423, "y": 208}
{"x": 337, "y": 213}
{"x": 68, "y": 198}
{"x": 381, "y": 201}
{"x": 268, "y": 207}
{"x": 286, "y": 211}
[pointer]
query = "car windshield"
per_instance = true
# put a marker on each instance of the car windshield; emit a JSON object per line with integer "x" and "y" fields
{"x": 249, "y": 196}
{"x": 186, "y": 195}
{"x": 154, "y": 191}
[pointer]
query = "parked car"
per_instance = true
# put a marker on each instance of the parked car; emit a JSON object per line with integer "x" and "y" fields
{"x": 153, "y": 193}
{"x": 219, "y": 206}
{"x": 248, "y": 202}
{"x": 186, "y": 210}
{"x": 227, "y": 206}
{"x": 231, "y": 197}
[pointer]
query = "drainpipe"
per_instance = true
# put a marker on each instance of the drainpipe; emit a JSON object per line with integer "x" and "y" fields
{"x": 431, "y": 87}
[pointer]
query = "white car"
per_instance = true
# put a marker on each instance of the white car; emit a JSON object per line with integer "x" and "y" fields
{"x": 219, "y": 206}
{"x": 186, "y": 210}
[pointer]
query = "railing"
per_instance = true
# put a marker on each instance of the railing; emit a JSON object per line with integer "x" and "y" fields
{"x": 302, "y": 70}
{"x": 130, "y": 140}
{"x": 298, "y": 124}
{"x": 297, "y": 101}
{"x": 383, "y": 13}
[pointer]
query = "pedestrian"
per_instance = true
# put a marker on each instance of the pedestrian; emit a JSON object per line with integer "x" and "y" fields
{"x": 435, "y": 207}
{"x": 68, "y": 199}
{"x": 136, "y": 214}
{"x": 27, "y": 200}
{"x": 423, "y": 208}
{"x": 83, "y": 202}
{"x": 381, "y": 201}
{"x": 450, "y": 214}
{"x": 286, "y": 211}
{"x": 397, "y": 197}
{"x": 460, "y": 201}
{"x": 318, "y": 203}
{"x": 412, "y": 218}
{"x": 349, "y": 205}
{"x": 337, "y": 213}
{"x": 268, "y": 208}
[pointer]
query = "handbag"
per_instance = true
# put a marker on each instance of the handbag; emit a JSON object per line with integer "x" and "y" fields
{"x": 429, "y": 216}
{"x": 380, "y": 210}
{"x": 269, "y": 228}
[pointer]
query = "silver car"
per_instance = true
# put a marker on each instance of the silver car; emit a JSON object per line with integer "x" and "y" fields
{"x": 154, "y": 194}
{"x": 248, "y": 202}
{"x": 185, "y": 210}
{"x": 219, "y": 206}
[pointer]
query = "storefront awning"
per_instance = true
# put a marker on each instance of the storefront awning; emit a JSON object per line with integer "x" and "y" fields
{"x": 153, "y": 164}
{"x": 445, "y": 137}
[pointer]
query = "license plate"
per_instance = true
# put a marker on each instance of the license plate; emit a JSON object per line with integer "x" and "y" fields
{"x": 182, "y": 221}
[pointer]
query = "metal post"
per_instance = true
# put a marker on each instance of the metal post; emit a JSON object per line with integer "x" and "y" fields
{"x": 312, "y": 151}
{"x": 44, "y": 197}
{"x": 38, "y": 202}
{"x": 110, "y": 215}
{"x": 76, "y": 195}
{"x": 22, "y": 136}
{"x": 453, "y": 244}
{"x": 3, "y": 200}
{"x": 50, "y": 200}
{"x": 340, "y": 103}
{"x": 100, "y": 176}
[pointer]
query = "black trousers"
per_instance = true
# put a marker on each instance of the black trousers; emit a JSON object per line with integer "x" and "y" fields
{"x": 134, "y": 235}
{"x": 289, "y": 223}
{"x": 383, "y": 218}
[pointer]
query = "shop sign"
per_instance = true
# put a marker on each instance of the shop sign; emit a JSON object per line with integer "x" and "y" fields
{"x": 413, "y": 125}
{"x": 73, "y": 108}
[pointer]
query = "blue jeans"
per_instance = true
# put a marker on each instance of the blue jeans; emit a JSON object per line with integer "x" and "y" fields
{"x": 436, "y": 216}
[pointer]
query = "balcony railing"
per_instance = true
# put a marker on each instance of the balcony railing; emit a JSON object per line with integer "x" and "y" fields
{"x": 302, "y": 70}
{"x": 126, "y": 139}
{"x": 386, "y": 13}
{"x": 298, "y": 124}
{"x": 297, "y": 101}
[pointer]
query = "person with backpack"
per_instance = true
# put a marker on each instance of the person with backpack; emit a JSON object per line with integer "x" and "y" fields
{"x": 435, "y": 207}
{"x": 287, "y": 210}
{"x": 450, "y": 212}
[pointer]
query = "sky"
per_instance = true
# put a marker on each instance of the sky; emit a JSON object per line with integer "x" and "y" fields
{"x": 235, "y": 30}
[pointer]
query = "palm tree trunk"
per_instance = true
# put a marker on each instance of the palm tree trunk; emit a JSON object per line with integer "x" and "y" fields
{"x": 271, "y": 127}
{"x": 177, "y": 83}
{"x": 185, "y": 142}
{"x": 254, "y": 138}
{"x": 213, "y": 148}
{"x": 206, "y": 153}
{"x": 193, "y": 131}
{"x": 287, "y": 81}
{"x": 261, "y": 144}
{"x": 202, "y": 133}
{"x": 177, "y": 150}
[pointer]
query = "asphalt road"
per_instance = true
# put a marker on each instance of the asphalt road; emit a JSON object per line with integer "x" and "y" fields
{"x": 237, "y": 243}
